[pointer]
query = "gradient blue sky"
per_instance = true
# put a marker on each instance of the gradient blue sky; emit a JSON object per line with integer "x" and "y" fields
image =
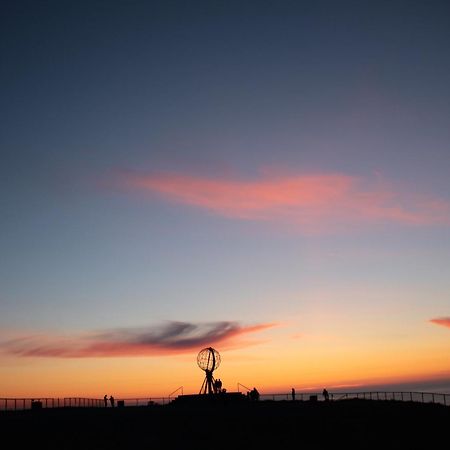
{"x": 221, "y": 90}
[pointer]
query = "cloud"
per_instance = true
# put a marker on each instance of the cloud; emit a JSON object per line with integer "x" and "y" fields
{"x": 444, "y": 321}
{"x": 169, "y": 338}
{"x": 311, "y": 203}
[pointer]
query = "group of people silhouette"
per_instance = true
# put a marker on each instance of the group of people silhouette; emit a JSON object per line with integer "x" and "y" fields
{"x": 111, "y": 400}
{"x": 253, "y": 394}
{"x": 218, "y": 385}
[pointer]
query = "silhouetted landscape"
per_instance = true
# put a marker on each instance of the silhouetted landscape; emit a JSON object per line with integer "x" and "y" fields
{"x": 348, "y": 423}
{"x": 224, "y": 224}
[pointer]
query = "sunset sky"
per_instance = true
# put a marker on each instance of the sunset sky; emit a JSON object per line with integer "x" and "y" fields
{"x": 270, "y": 178}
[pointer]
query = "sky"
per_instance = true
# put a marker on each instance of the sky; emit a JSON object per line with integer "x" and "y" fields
{"x": 267, "y": 178}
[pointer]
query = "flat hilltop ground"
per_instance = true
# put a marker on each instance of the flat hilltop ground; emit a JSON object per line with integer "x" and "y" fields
{"x": 356, "y": 424}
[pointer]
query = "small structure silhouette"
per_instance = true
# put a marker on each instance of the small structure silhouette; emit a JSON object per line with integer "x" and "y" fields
{"x": 105, "y": 399}
{"x": 111, "y": 400}
{"x": 36, "y": 404}
{"x": 325, "y": 395}
{"x": 293, "y": 394}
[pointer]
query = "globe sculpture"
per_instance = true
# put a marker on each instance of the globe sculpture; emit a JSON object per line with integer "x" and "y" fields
{"x": 208, "y": 360}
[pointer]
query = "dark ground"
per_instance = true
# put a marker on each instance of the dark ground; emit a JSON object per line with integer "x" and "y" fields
{"x": 355, "y": 424}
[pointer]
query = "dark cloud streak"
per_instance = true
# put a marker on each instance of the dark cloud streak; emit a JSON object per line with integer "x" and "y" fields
{"x": 169, "y": 338}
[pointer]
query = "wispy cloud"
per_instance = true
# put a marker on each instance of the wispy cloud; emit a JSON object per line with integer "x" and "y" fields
{"x": 168, "y": 338}
{"x": 315, "y": 202}
{"x": 443, "y": 321}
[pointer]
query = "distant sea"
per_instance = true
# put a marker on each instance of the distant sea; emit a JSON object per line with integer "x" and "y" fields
{"x": 436, "y": 386}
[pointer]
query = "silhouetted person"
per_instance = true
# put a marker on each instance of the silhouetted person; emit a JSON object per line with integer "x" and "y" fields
{"x": 111, "y": 400}
{"x": 254, "y": 394}
{"x": 105, "y": 399}
{"x": 218, "y": 385}
{"x": 293, "y": 394}
{"x": 325, "y": 395}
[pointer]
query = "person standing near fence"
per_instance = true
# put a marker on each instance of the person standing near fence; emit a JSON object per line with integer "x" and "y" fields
{"x": 293, "y": 394}
{"x": 111, "y": 400}
{"x": 105, "y": 399}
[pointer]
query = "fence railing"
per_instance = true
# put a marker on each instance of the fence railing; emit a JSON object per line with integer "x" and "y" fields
{"x": 239, "y": 385}
{"x": 422, "y": 397}
{"x": 80, "y": 402}
{"x": 146, "y": 401}
{"x": 47, "y": 402}
{"x": 179, "y": 389}
{"x": 16, "y": 404}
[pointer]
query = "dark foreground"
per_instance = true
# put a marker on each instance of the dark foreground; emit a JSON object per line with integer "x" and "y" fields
{"x": 356, "y": 424}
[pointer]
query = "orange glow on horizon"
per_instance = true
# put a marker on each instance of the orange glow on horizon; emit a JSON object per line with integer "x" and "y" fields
{"x": 331, "y": 351}
{"x": 271, "y": 373}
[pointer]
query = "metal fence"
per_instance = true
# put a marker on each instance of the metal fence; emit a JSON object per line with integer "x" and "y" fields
{"x": 422, "y": 397}
{"x": 11, "y": 404}
{"x": 17, "y": 404}
{"x": 146, "y": 401}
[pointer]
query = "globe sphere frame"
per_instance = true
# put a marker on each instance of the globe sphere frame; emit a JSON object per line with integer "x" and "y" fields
{"x": 208, "y": 359}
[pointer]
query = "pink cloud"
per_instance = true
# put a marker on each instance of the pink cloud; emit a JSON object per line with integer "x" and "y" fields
{"x": 311, "y": 203}
{"x": 443, "y": 321}
{"x": 169, "y": 338}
